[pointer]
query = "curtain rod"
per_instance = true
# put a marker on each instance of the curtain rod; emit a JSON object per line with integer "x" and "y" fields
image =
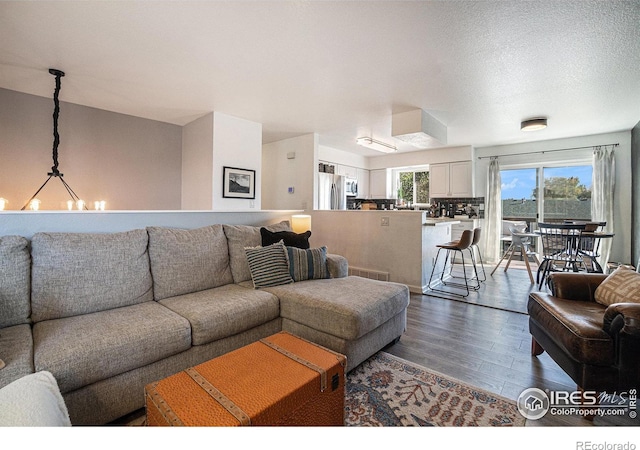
{"x": 550, "y": 151}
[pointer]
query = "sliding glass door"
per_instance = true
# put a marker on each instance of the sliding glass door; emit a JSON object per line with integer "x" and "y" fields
{"x": 566, "y": 193}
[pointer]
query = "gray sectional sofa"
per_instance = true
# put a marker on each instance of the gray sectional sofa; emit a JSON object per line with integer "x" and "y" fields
{"x": 108, "y": 313}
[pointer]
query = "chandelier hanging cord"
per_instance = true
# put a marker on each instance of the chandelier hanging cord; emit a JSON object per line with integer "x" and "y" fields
{"x": 56, "y": 112}
{"x": 56, "y": 141}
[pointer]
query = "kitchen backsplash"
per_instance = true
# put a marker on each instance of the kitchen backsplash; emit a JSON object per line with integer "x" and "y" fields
{"x": 469, "y": 206}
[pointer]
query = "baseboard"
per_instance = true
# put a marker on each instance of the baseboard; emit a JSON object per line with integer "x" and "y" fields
{"x": 369, "y": 273}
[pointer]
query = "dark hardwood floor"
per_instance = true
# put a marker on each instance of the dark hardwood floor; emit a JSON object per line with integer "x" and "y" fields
{"x": 484, "y": 346}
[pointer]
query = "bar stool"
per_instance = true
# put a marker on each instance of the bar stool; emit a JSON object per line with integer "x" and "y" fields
{"x": 455, "y": 246}
{"x": 474, "y": 246}
{"x": 472, "y": 249}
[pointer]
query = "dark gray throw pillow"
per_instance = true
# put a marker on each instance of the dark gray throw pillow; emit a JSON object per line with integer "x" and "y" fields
{"x": 291, "y": 239}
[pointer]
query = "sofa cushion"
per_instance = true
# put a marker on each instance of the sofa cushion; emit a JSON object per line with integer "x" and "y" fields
{"x": 16, "y": 350}
{"x": 80, "y": 273}
{"x": 307, "y": 264}
{"x": 33, "y": 401}
{"x": 83, "y": 349}
{"x": 15, "y": 281}
{"x": 184, "y": 261}
{"x": 347, "y": 307}
{"x": 268, "y": 265}
{"x": 576, "y": 327}
{"x": 224, "y": 311}
{"x": 290, "y": 238}
{"x": 241, "y": 236}
{"x": 622, "y": 286}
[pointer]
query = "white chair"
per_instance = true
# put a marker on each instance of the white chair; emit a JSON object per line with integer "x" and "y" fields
{"x": 520, "y": 243}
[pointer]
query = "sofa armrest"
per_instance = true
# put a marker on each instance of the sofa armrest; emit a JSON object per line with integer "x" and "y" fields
{"x": 622, "y": 318}
{"x": 622, "y": 323}
{"x": 338, "y": 266}
{"x": 575, "y": 286}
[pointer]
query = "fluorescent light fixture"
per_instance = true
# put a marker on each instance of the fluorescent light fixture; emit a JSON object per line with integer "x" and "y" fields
{"x": 376, "y": 145}
{"x": 418, "y": 128}
{"x": 538, "y": 123}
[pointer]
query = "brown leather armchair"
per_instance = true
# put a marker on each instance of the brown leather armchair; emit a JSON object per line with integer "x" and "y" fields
{"x": 597, "y": 346}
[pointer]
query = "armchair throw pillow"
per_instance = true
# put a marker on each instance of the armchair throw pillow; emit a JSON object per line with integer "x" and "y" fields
{"x": 622, "y": 286}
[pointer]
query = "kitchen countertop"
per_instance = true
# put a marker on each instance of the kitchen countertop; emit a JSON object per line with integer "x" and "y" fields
{"x": 439, "y": 221}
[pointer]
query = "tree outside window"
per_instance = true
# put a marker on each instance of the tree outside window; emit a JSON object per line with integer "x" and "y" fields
{"x": 413, "y": 187}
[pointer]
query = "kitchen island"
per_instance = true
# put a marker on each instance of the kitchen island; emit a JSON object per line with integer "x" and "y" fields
{"x": 391, "y": 245}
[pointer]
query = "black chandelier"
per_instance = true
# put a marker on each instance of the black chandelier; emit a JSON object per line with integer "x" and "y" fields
{"x": 56, "y": 140}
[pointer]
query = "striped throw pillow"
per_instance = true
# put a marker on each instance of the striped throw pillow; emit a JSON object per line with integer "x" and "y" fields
{"x": 268, "y": 265}
{"x": 307, "y": 264}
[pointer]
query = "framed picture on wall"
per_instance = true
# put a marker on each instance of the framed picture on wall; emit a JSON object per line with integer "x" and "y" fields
{"x": 238, "y": 183}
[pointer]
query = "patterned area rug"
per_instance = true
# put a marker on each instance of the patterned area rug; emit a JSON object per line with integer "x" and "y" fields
{"x": 388, "y": 391}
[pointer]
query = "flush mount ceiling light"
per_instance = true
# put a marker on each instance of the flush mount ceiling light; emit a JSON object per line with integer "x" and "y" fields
{"x": 418, "y": 128}
{"x": 537, "y": 123}
{"x": 376, "y": 145}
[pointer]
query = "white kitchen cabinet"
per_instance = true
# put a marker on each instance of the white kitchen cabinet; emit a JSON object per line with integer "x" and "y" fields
{"x": 465, "y": 224}
{"x": 379, "y": 186}
{"x": 451, "y": 180}
{"x": 347, "y": 171}
{"x": 363, "y": 183}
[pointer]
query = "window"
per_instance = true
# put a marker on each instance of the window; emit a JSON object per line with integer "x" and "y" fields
{"x": 519, "y": 194}
{"x": 412, "y": 186}
{"x": 566, "y": 193}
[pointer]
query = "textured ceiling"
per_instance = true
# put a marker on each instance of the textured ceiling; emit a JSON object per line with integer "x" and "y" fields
{"x": 340, "y": 69}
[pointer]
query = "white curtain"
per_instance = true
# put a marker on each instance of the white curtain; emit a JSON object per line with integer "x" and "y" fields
{"x": 492, "y": 229}
{"x": 603, "y": 183}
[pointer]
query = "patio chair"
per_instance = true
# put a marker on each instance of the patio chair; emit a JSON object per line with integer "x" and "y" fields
{"x": 560, "y": 244}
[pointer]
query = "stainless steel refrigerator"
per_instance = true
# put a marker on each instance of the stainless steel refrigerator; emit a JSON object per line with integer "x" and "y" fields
{"x": 331, "y": 191}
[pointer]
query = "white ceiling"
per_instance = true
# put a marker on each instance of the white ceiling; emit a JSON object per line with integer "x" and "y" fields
{"x": 341, "y": 68}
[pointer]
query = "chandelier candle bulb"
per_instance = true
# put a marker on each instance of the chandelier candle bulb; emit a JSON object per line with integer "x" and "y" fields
{"x": 34, "y": 205}
{"x": 69, "y": 205}
{"x": 3, "y": 203}
{"x": 80, "y": 205}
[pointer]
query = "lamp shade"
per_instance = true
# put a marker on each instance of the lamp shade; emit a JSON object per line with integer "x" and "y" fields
{"x": 300, "y": 223}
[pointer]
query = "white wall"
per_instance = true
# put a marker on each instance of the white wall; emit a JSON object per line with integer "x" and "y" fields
{"x": 27, "y": 223}
{"x": 211, "y": 143}
{"x": 236, "y": 143}
{"x": 197, "y": 163}
{"x": 280, "y": 173}
{"x": 337, "y": 156}
{"x": 621, "y": 248}
{"x": 129, "y": 162}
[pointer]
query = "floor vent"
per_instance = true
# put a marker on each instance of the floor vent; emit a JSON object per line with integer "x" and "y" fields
{"x": 368, "y": 273}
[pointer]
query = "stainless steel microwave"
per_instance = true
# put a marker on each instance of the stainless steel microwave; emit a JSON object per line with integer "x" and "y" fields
{"x": 351, "y": 187}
